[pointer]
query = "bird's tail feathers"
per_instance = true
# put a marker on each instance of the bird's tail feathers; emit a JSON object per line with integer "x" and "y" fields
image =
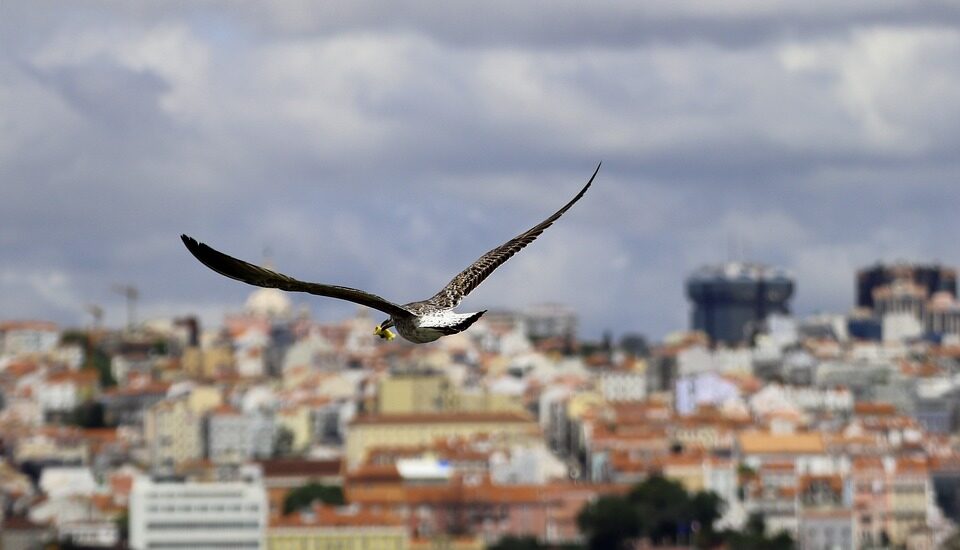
{"x": 464, "y": 324}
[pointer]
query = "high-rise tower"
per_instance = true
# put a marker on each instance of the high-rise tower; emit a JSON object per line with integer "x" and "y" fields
{"x": 731, "y": 301}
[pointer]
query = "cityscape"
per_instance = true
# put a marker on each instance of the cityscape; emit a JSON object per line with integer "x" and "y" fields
{"x": 749, "y": 428}
{"x": 745, "y": 334}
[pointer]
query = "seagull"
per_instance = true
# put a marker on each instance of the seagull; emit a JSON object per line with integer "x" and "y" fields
{"x": 418, "y": 322}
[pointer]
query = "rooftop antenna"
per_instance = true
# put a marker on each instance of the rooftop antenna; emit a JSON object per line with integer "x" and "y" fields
{"x": 131, "y": 293}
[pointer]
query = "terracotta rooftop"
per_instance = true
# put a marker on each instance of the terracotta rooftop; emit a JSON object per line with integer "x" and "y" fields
{"x": 46, "y": 326}
{"x": 20, "y": 523}
{"x": 874, "y": 408}
{"x": 905, "y": 465}
{"x": 367, "y": 473}
{"x": 290, "y": 467}
{"x": 769, "y": 443}
{"x": 329, "y": 516}
{"x": 225, "y": 410}
{"x": 77, "y": 377}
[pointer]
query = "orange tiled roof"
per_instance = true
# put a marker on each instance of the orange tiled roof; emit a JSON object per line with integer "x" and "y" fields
{"x": 905, "y": 465}
{"x": 47, "y": 326}
{"x": 778, "y": 467}
{"x": 366, "y": 473}
{"x": 329, "y": 516}
{"x": 225, "y": 410}
{"x": 755, "y": 442}
{"x": 874, "y": 408}
{"x": 282, "y": 467}
{"x": 20, "y": 368}
{"x": 77, "y": 377}
{"x": 867, "y": 463}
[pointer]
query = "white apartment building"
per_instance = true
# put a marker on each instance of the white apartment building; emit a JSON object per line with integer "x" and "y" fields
{"x": 24, "y": 337}
{"x": 177, "y": 514}
{"x": 624, "y": 386}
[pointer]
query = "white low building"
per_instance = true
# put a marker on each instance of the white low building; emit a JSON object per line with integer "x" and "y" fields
{"x": 192, "y": 514}
{"x": 624, "y": 386}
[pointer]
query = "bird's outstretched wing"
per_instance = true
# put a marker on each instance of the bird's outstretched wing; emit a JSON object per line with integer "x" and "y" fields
{"x": 259, "y": 276}
{"x": 471, "y": 277}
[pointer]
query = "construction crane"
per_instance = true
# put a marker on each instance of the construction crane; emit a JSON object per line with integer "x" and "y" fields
{"x": 96, "y": 312}
{"x": 131, "y": 293}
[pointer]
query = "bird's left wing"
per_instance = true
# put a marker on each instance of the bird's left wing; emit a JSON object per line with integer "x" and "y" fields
{"x": 471, "y": 277}
{"x": 259, "y": 276}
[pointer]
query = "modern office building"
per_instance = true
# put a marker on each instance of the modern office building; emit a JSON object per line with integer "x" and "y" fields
{"x": 544, "y": 321}
{"x": 193, "y": 514}
{"x": 930, "y": 278}
{"x": 731, "y": 301}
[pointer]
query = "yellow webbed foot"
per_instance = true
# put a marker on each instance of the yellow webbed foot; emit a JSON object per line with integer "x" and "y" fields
{"x": 385, "y": 334}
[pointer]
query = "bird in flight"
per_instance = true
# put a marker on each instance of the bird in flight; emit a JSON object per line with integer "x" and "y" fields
{"x": 418, "y": 322}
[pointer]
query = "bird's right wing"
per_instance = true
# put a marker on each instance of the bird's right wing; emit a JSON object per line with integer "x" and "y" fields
{"x": 468, "y": 279}
{"x": 229, "y": 266}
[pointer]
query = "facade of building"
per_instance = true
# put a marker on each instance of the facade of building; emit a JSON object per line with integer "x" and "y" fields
{"x": 233, "y": 436}
{"x": 328, "y": 528}
{"x": 174, "y": 433}
{"x": 624, "y": 386}
{"x": 546, "y": 321}
{"x": 731, "y": 301}
{"x": 191, "y": 514}
{"x": 25, "y": 337}
{"x": 414, "y": 392}
{"x": 828, "y": 530}
{"x": 420, "y": 429}
{"x": 19, "y": 533}
{"x": 930, "y": 278}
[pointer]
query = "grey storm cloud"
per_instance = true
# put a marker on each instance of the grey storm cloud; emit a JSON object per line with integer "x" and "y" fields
{"x": 386, "y": 146}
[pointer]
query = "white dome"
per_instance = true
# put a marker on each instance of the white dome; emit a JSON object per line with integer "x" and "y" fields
{"x": 269, "y": 302}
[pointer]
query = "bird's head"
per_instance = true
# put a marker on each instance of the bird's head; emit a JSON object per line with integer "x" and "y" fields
{"x": 382, "y": 332}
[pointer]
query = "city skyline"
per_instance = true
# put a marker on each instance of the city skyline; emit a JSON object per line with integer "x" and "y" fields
{"x": 820, "y": 137}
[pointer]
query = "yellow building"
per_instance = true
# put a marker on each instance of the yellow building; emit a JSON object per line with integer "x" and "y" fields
{"x": 429, "y": 391}
{"x": 408, "y": 430}
{"x": 296, "y": 419}
{"x": 204, "y": 398}
{"x": 687, "y": 470}
{"x": 208, "y": 362}
{"x": 908, "y": 490}
{"x": 328, "y": 528}
{"x": 447, "y": 542}
{"x": 173, "y": 427}
{"x": 415, "y": 392}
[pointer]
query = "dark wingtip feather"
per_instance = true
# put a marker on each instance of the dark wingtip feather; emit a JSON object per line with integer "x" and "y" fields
{"x": 189, "y": 242}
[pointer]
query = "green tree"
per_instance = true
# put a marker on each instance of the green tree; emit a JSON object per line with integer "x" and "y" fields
{"x": 753, "y": 537}
{"x": 657, "y": 508}
{"x": 94, "y": 357}
{"x": 88, "y": 415}
{"x": 283, "y": 442}
{"x": 609, "y": 522}
{"x": 665, "y": 505}
{"x": 706, "y": 507}
{"x": 305, "y": 496}
{"x": 123, "y": 526}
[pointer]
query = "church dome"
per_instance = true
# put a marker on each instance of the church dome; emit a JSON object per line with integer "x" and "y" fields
{"x": 269, "y": 302}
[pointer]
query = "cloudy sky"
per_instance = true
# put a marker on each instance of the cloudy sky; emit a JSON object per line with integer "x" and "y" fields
{"x": 386, "y": 145}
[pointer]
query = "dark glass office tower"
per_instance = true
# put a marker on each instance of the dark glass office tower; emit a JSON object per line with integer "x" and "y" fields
{"x": 732, "y": 300}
